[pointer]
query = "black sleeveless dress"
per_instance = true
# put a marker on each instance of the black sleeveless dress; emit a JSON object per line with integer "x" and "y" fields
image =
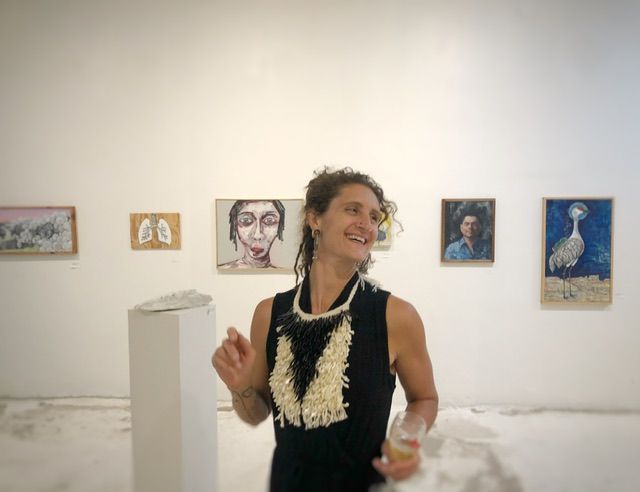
{"x": 327, "y": 436}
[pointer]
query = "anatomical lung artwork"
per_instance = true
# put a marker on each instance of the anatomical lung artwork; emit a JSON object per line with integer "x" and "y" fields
{"x": 155, "y": 230}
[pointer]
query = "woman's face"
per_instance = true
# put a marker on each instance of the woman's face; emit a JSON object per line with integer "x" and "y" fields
{"x": 257, "y": 227}
{"x": 349, "y": 227}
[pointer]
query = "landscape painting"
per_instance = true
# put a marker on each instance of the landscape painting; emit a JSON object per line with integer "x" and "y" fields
{"x": 577, "y": 250}
{"x": 38, "y": 230}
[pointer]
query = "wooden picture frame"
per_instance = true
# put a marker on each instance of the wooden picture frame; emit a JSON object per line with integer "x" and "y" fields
{"x": 468, "y": 230}
{"x": 257, "y": 234}
{"x": 577, "y": 250}
{"x": 38, "y": 230}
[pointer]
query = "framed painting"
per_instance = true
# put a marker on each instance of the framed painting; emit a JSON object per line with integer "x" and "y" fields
{"x": 577, "y": 254}
{"x": 257, "y": 234}
{"x": 384, "y": 239}
{"x": 38, "y": 230}
{"x": 155, "y": 230}
{"x": 468, "y": 230}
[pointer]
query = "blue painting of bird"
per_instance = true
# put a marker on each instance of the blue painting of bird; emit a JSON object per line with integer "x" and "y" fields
{"x": 567, "y": 251}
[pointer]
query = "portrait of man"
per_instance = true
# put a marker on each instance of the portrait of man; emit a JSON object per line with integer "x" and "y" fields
{"x": 255, "y": 234}
{"x": 467, "y": 230}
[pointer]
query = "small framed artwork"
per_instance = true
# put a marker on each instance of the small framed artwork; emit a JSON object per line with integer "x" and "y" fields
{"x": 468, "y": 230}
{"x": 577, "y": 255}
{"x": 155, "y": 230}
{"x": 38, "y": 230}
{"x": 383, "y": 241}
{"x": 257, "y": 234}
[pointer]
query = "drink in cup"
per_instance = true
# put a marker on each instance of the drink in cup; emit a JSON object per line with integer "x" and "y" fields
{"x": 407, "y": 430}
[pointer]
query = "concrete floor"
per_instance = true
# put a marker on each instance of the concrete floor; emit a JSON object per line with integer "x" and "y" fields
{"x": 84, "y": 445}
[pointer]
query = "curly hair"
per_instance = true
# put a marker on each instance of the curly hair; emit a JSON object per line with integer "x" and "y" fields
{"x": 469, "y": 211}
{"x": 321, "y": 190}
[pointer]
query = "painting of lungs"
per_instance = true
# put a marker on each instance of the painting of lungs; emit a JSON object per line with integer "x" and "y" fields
{"x": 155, "y": 230}
{"x": 577, "y": 250}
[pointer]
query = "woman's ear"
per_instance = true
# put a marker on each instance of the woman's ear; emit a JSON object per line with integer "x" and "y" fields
{"x": 313, "y": 220}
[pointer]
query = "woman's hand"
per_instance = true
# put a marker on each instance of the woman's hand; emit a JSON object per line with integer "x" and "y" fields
{"x": 397, "y": 470}
{"x": 234, "y": 360}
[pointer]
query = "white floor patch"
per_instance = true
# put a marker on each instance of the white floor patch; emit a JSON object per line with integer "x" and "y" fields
{"x": 84, "y": 445}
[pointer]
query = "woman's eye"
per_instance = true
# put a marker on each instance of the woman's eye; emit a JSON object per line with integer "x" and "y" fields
{"x": 352, "y": 210}
{"x": 245, "y": 220}
{"x": 270, "y": 220}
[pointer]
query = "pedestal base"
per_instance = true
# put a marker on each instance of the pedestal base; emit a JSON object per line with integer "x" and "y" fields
{"x": 173, "y": 400}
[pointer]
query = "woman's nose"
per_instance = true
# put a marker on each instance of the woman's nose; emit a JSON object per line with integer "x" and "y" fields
{"x": 365, "y": 225}
{"x": 257, "y": 231}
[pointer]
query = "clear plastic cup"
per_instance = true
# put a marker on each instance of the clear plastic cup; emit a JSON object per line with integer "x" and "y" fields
{"x": 405, "y": 435}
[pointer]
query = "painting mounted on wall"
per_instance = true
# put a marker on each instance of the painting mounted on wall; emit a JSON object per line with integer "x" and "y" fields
{"x": 468, "y": 230}
{"x": 383, "y": 241}
{"x": 155, "y": 230}
{"x": 257, "y": 234}
{"x": 38, "y": 230}
{"x": 577, "y": 250}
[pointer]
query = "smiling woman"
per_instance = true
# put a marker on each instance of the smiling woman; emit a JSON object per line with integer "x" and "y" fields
{"x": 325, "y": 354}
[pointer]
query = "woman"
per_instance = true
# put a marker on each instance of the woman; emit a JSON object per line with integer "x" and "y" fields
{"x": 324, "y": 355}
{"x": 256, "y": 223}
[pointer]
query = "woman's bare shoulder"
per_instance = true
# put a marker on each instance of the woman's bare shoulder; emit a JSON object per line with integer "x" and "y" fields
{"x": 403, "y": 320}
{"x": 263, "y": 309}
{"x": 261, "y": 319}
{"x": 399, "y": 310}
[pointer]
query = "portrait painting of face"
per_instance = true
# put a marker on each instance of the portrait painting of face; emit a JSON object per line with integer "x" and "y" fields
{"x": 468, "y": 230}
{"x": 257, "y": 233}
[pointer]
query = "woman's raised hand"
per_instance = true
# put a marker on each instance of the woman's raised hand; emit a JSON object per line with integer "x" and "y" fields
{"x": 234, "y": 360}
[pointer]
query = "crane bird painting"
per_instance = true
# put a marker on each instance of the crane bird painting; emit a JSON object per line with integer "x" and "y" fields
{"x": 577, "y": 237}
{"x": 567, "y": 251}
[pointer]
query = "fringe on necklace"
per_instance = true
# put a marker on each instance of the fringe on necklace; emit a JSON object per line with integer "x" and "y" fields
{"x": 311, "y": 362}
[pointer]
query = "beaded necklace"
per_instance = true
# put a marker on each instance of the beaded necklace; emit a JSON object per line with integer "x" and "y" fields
{"x": 310, "y": 364}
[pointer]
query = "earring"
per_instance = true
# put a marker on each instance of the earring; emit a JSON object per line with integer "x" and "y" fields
{"x": 316, "y": 239}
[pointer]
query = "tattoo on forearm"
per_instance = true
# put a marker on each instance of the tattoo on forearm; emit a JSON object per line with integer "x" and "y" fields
{"x": 240, "y": 397}
{"x": 248, "y": 393}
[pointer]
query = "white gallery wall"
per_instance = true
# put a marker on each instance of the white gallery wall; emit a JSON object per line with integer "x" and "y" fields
{"x": 119, "y": 107}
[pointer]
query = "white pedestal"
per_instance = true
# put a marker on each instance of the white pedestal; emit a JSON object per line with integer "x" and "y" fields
{"x": 173, "y": 400}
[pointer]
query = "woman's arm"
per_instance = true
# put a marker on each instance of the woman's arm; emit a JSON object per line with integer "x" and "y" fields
{"x": 412, "y": 361}
{"x": 242, "y": 365}
{"x": 409, "y": 356}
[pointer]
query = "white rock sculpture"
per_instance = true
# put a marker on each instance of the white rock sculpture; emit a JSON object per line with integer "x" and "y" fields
{"x": 180, "y": 299}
